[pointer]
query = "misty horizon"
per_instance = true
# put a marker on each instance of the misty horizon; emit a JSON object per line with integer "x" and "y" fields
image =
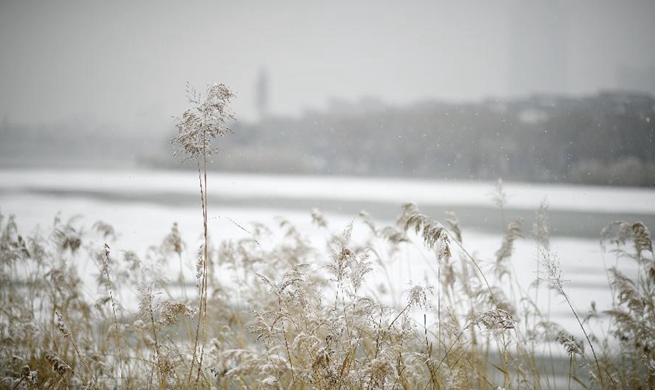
{"x": 126, "y": 65}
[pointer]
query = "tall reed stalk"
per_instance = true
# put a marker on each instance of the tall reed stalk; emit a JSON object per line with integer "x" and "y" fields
{"x": 199, "y": 126}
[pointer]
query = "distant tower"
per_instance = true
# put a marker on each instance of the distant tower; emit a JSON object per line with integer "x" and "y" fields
{"x": 261, "y": 94}
{"x": 538, "y": 59}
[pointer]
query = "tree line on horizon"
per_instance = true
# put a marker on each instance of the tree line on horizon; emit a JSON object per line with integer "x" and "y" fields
{"x": 602, "y": 139}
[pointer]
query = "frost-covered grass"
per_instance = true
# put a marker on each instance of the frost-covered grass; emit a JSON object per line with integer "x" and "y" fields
{"x": 283, "y": 313}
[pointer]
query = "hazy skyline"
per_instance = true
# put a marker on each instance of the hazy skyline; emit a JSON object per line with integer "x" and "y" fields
{"x": 127, "y": 63}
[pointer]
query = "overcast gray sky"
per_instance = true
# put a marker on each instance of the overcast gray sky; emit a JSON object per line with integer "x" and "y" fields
{"x": 126, "y": 63}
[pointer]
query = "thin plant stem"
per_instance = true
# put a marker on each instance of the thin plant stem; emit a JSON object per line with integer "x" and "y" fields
{"x": 593, "y": 351}
{"x": 205, "y": 273}
{"x": 197, "y": 333}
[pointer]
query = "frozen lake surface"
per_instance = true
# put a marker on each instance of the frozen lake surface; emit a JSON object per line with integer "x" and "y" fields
{"x": 142, "y": 206}
{"x": 580, "y": 211}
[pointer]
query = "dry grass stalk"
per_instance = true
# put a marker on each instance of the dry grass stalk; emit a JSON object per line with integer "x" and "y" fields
{"x": 197, "y": 128}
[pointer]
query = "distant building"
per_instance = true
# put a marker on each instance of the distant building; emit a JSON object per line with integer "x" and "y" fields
{"x": 538, "y": 59}
{"x": 261, "y": 94}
